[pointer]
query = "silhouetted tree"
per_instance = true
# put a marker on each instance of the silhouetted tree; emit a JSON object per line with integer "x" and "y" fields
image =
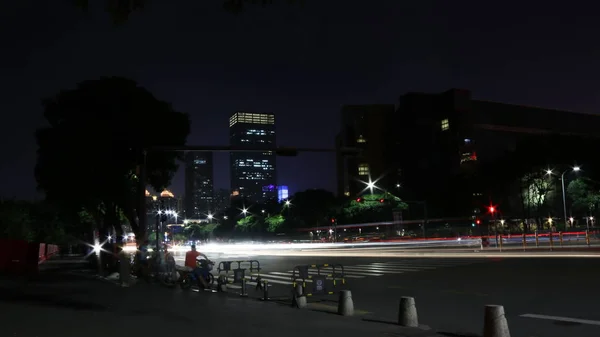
{"x": 312, "y": 207}
{"x": 88, "y": 156}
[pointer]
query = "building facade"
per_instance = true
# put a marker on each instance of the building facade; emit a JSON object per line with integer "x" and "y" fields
{"x": 457, "y": 154}
{"x": 253, "y": 173}
{"x": 199, "y": 184}
{"x": 365, "y": 127}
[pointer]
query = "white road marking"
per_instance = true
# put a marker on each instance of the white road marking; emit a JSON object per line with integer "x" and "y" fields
{"x": 352, "y": 275}
{"x": 374, "y": 270}
{"x": 562, "y": 319}
{"x": 288, "y": 276}
{"x": 391, "y": 267}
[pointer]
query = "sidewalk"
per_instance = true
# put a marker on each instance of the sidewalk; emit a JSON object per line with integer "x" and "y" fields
{"x": 69, "y": 306}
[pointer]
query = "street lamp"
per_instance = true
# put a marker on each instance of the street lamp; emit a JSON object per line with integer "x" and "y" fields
{"x": 210, "y": 216}
{"x": 244, "y": 211}
{"x": 287, "y": 203}
{"x": 562, "y": 181}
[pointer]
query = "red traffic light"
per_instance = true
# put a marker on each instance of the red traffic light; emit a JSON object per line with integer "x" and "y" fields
{"x": 492, "y": 209}
{"x": 358, "y": 199}
{"x": 478, "y": 221}
{"x": 382, "y": 200}
{"x": 332, "y": 220}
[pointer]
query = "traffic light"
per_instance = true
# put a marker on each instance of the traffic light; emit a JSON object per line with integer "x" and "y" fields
{"x": 478, "y": 222}
{"x": 359, "y": 199}
{"x": 492, "y": 209}
{"x": 382, "y": 200}
{"x": 332, "y": 220}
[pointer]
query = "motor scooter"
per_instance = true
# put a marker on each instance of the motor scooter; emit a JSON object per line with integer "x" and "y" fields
{"x": 187, "y": 277}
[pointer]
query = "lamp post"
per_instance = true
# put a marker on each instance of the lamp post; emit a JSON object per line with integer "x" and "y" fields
{"x": 564, "y": 197}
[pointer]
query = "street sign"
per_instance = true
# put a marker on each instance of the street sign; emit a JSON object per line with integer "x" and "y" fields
{"x": 319, "y": 285}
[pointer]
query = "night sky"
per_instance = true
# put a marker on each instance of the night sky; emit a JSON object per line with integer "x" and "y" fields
{"x": 300, "y": 63}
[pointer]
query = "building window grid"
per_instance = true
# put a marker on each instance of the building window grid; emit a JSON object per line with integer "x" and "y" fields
{"x": 363, "y": 169}
{"x": 445, "y": 124}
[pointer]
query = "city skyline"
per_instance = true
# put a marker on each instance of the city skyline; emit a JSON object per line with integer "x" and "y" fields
{"x": 302, "y": 70}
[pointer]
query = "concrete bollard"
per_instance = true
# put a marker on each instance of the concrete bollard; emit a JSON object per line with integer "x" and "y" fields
{"x": 298, "y": 299}
{"x": 495, "y": 324}
{"x": 345, "y": 303}
{"x": 407, "y": 313}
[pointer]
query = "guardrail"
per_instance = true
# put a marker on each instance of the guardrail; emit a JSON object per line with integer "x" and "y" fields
{"x": 554, "y": 240}
{"x": 237, "y": 269}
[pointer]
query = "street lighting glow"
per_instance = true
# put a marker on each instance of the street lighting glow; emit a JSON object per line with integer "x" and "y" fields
{"x": 549, "y": 172}
{"x": 571, "y": 219}
{"x": 97, "y": 248}
{"x": 576, "y": 168}
{"x": 210, "y": 216}
{"x": 370, "y": 184}
{"x": 244, "y": 211}
{"x": 287, "y": 203}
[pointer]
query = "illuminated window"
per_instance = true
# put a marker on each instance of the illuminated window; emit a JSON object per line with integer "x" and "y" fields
{"x": 445, "y": 124}
{"x": 361, "y": 139}
{"x": 363, "y": 169}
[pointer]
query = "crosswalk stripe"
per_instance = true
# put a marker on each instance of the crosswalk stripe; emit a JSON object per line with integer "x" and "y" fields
{"x": 353, "y": 275}
{"x": 288, "y": 276}
{"x": 379, "y": 271}
{"x": 393, "y": 267}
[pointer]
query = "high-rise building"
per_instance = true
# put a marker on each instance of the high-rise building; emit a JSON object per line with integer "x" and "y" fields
{"x": 366, "y": 127}
{"x": 199, "y": 188}
{"x": 222, "y": 199}
{"x": 253, "y": 174}
{"x": 282, "y": 193}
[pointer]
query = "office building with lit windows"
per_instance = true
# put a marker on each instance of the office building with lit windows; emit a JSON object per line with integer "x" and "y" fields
{"x": 446, "y": 148}
{"x": 366, "y": 127}
{"x": 199, "y": 184}
{"x": 253, "y": 174}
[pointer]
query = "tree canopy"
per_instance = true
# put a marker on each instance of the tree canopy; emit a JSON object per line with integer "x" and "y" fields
{"x": 88, "y": 155}
{"x": 584, "y": 195}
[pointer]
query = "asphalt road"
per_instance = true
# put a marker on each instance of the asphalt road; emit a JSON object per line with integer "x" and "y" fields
{"x": 451, "y": 293}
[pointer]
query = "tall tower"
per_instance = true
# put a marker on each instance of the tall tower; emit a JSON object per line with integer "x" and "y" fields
{"x": 199, "y": 187}
{"x": 253, "y": 174}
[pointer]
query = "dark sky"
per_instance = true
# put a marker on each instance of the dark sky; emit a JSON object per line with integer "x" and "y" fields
{"x": 299, "y": 63}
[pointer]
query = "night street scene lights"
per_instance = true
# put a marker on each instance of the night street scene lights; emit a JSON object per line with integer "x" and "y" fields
{"x": 562, "y": 182}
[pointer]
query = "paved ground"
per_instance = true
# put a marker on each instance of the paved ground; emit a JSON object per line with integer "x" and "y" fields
{"x": 451, "y": 293}
{"x": 560, "y": 294}
{"x": 71, "y": 306}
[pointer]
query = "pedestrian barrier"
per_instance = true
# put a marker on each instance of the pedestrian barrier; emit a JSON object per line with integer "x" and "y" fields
{"x": 234, "y": 272}
{"x": 319, "y": 275}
